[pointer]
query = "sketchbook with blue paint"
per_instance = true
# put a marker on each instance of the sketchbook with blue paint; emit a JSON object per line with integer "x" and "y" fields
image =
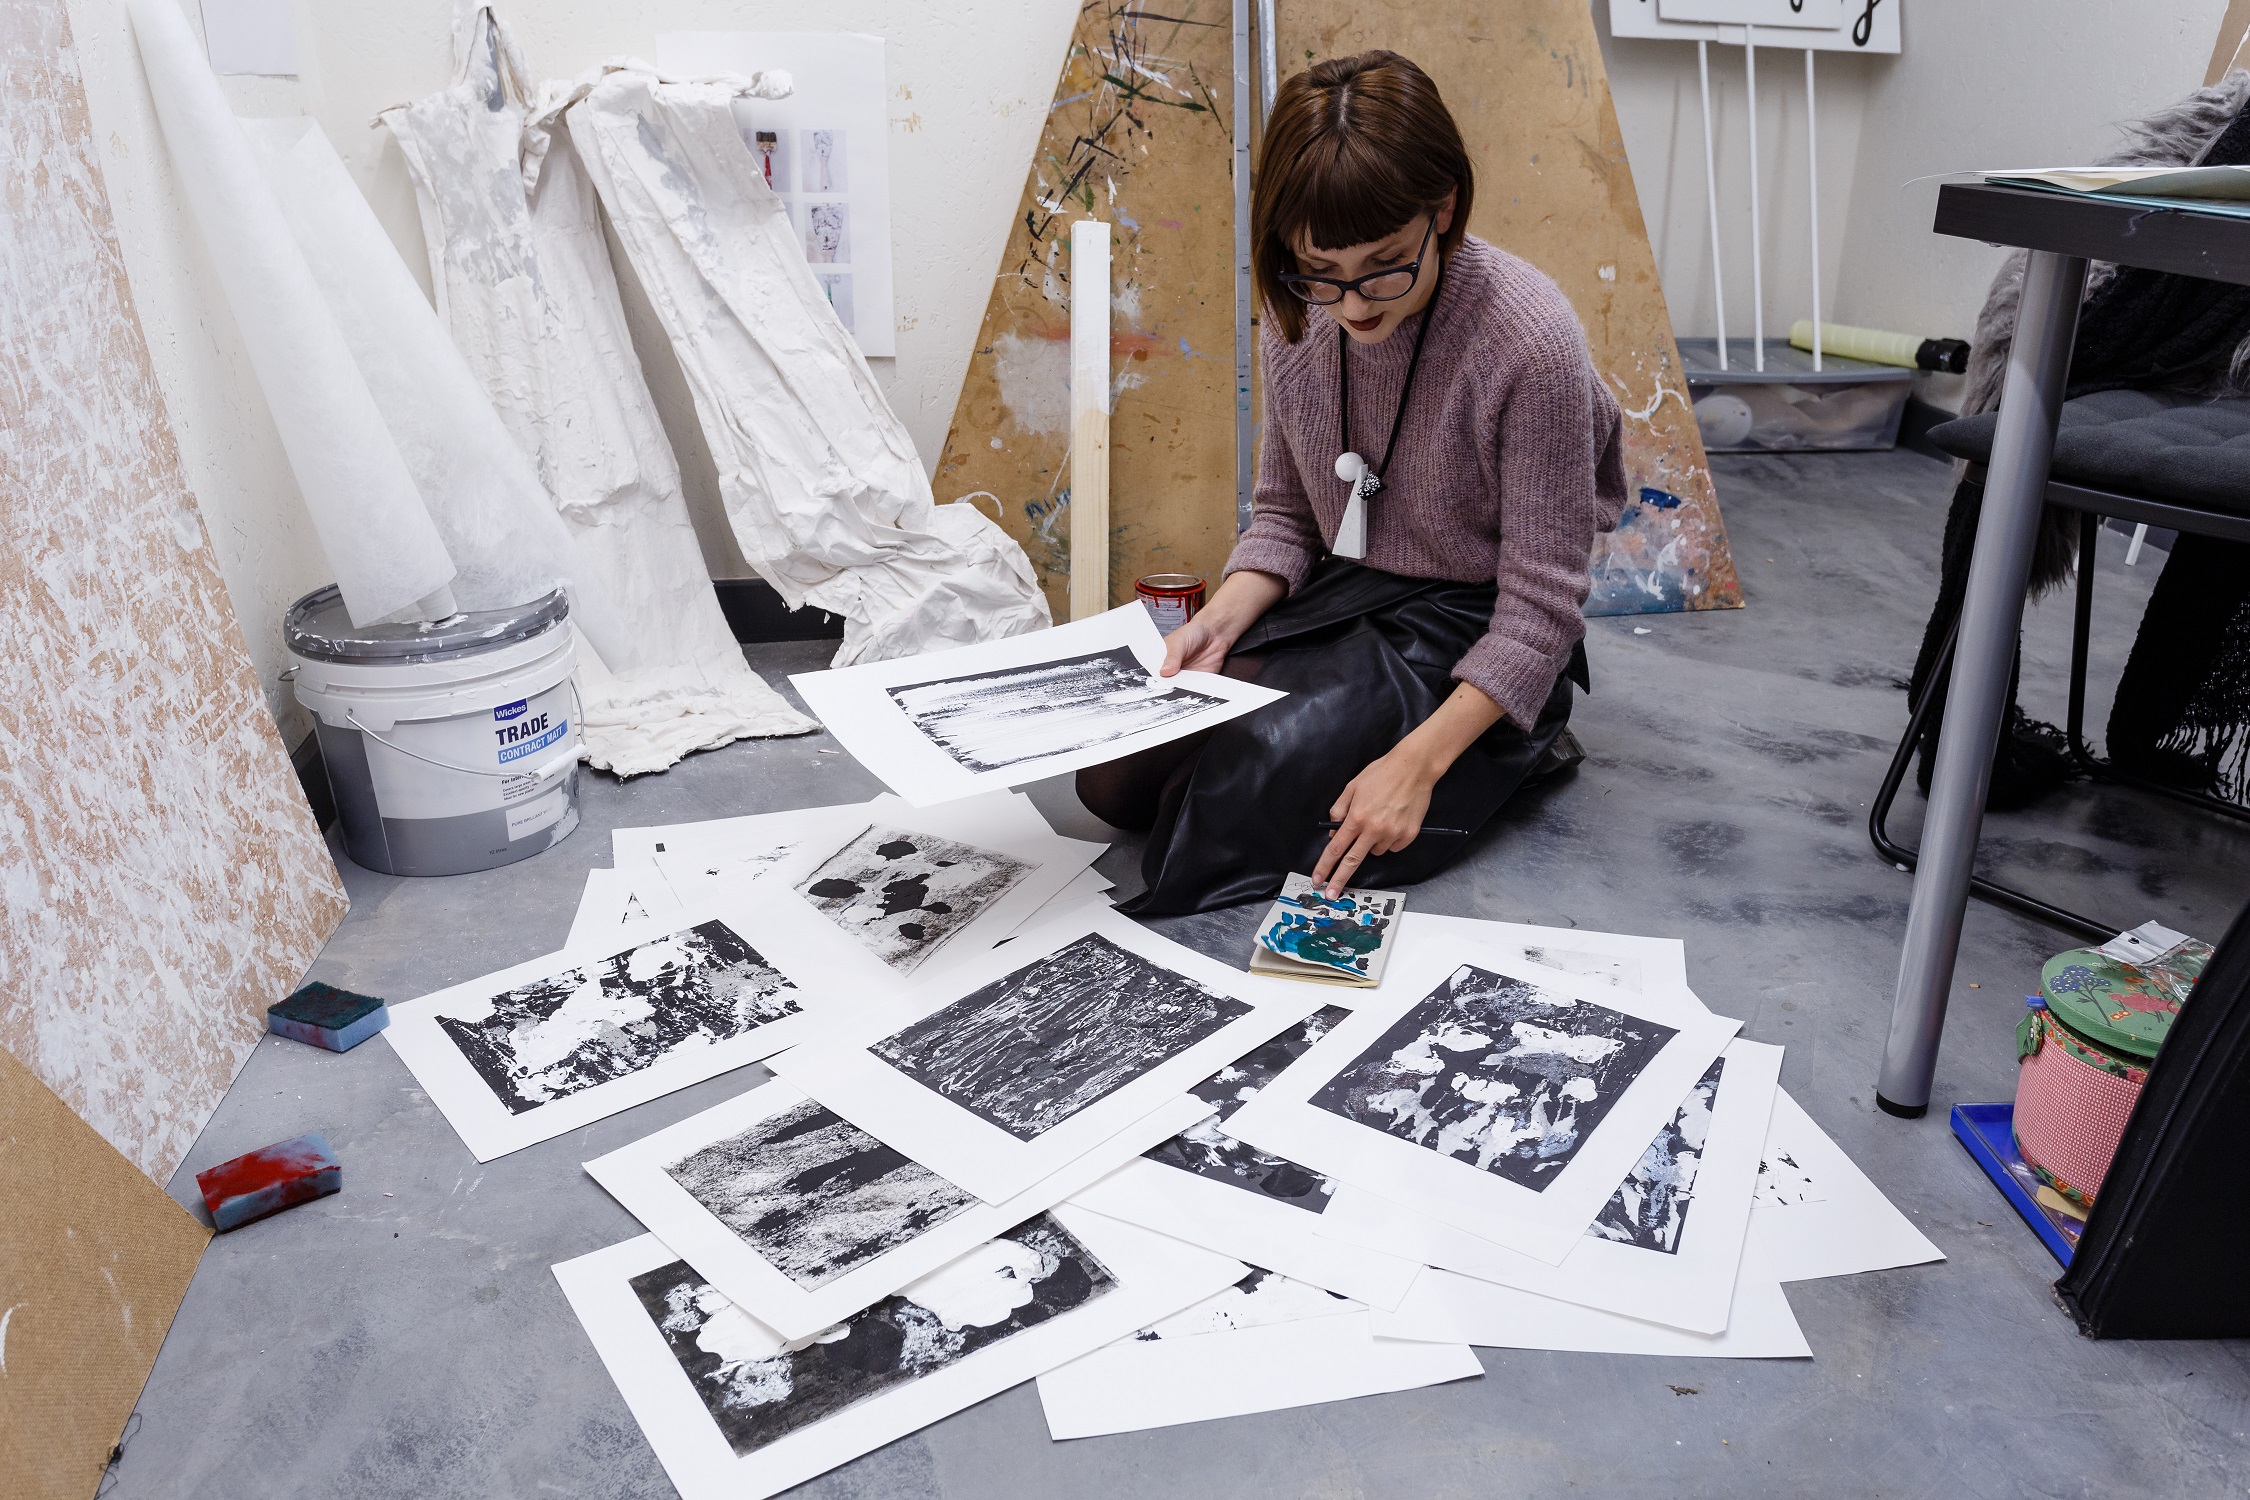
{"x": 1327, "y": 939}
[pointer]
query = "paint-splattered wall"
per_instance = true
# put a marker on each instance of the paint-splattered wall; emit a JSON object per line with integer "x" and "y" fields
{"x": 1140, "y": 134}
{"x": 161, "y": 879}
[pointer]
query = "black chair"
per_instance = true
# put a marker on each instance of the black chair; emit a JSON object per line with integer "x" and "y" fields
{"x": 2177, "y": 462}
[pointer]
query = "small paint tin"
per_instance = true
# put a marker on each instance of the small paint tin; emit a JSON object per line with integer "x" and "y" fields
{"x": 1172, "y": 599}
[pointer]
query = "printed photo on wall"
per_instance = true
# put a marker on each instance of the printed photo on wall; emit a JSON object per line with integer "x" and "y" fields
{"x": 828, "y": 239}
{"x": 824, "y": 162}
{"x": 838, "y": 287}
{"x": 772, "y": 148}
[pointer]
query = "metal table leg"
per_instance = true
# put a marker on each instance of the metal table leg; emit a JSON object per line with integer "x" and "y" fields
{"x": 1991, "y": 614}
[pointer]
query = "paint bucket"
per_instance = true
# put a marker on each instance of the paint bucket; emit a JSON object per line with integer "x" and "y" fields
{"x": 452, "y": 745}
{"x": 2084, "y": 1048}
{"x": 1172, "y": 599}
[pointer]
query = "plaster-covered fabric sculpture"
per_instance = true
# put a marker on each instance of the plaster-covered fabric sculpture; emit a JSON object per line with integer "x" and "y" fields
{"x": 820, "y": 481}
{"x": 524, "y": 283}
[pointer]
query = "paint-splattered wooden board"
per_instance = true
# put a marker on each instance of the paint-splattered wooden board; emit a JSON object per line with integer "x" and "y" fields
{"x": 165, "y": 880}
{"x": 1139, "y": 134}
{"x": 1524, "y": 78}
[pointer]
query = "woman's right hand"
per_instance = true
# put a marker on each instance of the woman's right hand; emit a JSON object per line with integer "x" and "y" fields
{"x": 1197, "y": 646}
{"x": 1202, "y": 644}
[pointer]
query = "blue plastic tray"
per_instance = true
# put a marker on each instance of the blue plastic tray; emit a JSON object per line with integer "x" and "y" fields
{"x": 1988, "y": 1131}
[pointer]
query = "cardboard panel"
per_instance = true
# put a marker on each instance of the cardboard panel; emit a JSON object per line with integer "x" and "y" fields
{"x": 1140, "y": 134}
{"x": 94, "y": 1260}
{"x": 1524, "y": 78}
{"x": 164, "y": 878}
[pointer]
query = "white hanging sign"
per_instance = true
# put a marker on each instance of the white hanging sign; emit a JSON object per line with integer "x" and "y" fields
{"x": 1864, "y": 25}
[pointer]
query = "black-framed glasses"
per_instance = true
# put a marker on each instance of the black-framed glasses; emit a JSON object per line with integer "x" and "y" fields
{"x": 1377, "y": 286}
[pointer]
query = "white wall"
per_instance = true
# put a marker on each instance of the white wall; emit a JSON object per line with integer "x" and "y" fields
{"x": 1990, "y": 83}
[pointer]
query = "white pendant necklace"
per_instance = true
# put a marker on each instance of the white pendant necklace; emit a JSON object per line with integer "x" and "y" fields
{"x": 1367, "y": 481}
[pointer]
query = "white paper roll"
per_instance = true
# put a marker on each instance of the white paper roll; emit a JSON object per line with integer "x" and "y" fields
{"x": 478, "y": 483}
{"x": 378, "y": 535}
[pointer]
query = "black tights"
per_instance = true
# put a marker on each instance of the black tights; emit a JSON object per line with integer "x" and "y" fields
{"x": 1126, "y": 793}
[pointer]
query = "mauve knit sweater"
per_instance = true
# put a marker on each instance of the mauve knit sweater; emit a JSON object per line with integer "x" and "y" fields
{"x": 1507, "y": 463}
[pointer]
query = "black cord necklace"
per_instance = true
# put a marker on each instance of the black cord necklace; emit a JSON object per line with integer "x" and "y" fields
{"x": 1350, "y": 467}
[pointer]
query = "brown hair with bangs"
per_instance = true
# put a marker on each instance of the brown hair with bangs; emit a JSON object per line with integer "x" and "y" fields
{"x": 1354, "y": 148}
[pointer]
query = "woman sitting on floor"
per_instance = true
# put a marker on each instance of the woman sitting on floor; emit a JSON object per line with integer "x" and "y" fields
{"x": 1439, "y": 455}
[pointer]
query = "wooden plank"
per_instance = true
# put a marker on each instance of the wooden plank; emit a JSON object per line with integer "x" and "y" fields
{"x": 165, "y": 881}
{"x": 1524, "y": 78}
{"x": 1139, "y": 134}
{"x": 94, "y": 1260}
{"x": 2226, "y": 49}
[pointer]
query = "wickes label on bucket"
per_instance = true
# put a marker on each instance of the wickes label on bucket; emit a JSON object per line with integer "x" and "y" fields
{"x": 507, "y": 711}
{"x": 527, "y": 734}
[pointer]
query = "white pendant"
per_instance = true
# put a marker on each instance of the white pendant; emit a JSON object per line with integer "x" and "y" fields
{"x": 1349, "y": 466}
{"x": 1351, "y": 534}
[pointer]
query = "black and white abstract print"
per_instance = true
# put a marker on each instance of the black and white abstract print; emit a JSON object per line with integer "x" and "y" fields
{"x": 1208, "y": 1151}
{"x": 815, "y": 1195}
{"x": 1035, "y": 1047}
{"x": 993, "y": 720}
{"x": 1784, "y": 1183}
{"x": 760, "y": 1387}
{"x": 1497, "y": 1072}
{"x": 587, "y": 1025}
{"x": 1650, "y": 1206}
{"x": 901, "y": 895}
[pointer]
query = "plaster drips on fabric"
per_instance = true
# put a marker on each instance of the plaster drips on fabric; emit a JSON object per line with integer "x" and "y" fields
{"x": 821, "y": 483}
{"x": 524, "y": 283}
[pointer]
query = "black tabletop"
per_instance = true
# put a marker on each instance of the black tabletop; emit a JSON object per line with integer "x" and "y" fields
{"x": 2214, "y": 246}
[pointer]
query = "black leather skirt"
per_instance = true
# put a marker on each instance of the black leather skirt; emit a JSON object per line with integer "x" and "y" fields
{"x": 1365, "y": 656}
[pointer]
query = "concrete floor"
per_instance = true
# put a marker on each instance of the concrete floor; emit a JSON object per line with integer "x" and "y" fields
{"x": 405, "y": 1339}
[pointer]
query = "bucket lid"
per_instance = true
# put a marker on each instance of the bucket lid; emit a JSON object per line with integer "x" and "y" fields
{"x": 2118, "y": 1004}
{"x": 318, "y": 627}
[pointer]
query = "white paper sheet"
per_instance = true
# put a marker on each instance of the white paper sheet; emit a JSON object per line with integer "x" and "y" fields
{"x": 750, "y": 837}
{"x": 1068, "y": 1034}
{"x": 1619, "y": 960}
{"x": 621, "y": 906}
{"x": 1624, "y": 1057}
{"x": 257, "y": 37}
{"x": 1022, "y": 709}
{"x": 1089, "y": 889}
{"x": 1160, "y": 1378}
{"x": 1212, "y": 1190}
{"x": 1153, "y": 1276}
{"x": 823, "y": 1252}
{"x": 536, "y": 1079}
{"x": 374, "y": 528}
{"x": 829, "y": 146}
{"x": 933, "y": 926}
{"x": 1868, "y": 26}
{"x": 1688, "y": 1285}
{"x": 1451, "y": 1308}
{"x": 1838, "y": 1222}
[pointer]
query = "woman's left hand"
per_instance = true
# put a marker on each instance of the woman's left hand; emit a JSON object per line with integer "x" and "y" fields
{"x": 1381, "y": 812}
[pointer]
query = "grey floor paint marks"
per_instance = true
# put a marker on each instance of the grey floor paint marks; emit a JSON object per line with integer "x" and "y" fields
{"x": 1034, "y": 1047}
{"x": 1497, "y": 1072}
{"x": 549, "y": 1039}
{"x": 904, "y": 894}
{"x": 815, "y": 1195}
{"x": 759, "y": 1386}
{"x": 994, "y": 720}
{"x": 1208, "y": 1151}
{"x": 424, "y": 1329}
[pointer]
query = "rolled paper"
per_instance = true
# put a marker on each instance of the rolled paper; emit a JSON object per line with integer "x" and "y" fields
{"x": 380, "y": 542}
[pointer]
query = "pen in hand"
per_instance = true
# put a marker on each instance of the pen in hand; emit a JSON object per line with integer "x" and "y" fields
{"x": 1330, "y": 826}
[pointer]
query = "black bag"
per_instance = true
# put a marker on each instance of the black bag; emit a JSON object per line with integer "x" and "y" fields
{"x": 2161, "y": 1256}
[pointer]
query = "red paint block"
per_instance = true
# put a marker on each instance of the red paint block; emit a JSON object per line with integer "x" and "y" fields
{"x": 268, "y": 1180}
